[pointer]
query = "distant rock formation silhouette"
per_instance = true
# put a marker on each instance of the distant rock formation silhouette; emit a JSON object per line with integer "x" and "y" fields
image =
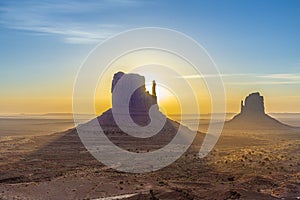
{"x": 253, "y": 116}
{"x": 254, "y": 105}
{"x": 140, "y": 103}
{"x": 140, "y": 100}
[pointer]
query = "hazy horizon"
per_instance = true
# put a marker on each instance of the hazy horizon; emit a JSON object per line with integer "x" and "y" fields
{"x": 67, "y": 113}
{"x": 45, "y": 124}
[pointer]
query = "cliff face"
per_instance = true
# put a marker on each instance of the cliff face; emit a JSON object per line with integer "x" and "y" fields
{"x": 129, "y": 91}
{"x": 140, "y": 100}
{"x": 254, "y": 104}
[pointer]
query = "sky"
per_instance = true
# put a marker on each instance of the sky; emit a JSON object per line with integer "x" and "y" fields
{"x": 255, "y": 44}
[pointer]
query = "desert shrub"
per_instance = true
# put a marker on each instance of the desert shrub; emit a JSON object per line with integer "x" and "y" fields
{"x": 266, "y": 159}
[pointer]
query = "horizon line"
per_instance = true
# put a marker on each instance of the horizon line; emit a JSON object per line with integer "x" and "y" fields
{"x": 70, "y": 113}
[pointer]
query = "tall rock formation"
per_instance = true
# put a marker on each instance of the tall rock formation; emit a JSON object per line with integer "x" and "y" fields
{"x": 254, "y": 105}
{"x": 253, "y": 116}
{"x": 139, "y": 104}
{"x": 140, "y": 100}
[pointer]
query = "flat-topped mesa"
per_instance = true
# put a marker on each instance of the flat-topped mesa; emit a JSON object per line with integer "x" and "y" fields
{"x": 253, "y": 116}
{"x": 130, "y": 89}
{"x": 140, "y": 100}
{"x": 254, "y": 104}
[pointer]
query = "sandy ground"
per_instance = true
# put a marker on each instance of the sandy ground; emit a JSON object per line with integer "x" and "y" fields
{"x": 244, "y": 165}
{"x": 30, "y": 126}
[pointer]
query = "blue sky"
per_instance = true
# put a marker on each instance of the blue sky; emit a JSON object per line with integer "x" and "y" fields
{"x": 44, "y": 42}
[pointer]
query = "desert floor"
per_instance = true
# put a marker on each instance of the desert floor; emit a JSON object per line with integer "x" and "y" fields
{"x": 243, "y": 165}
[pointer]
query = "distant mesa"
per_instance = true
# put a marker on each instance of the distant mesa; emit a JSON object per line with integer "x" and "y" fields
{"x": 140, "y": 101}
{"x": 254, "y": 105}
{"x": 139, "y": 104}
{"x": 253, "y": 116}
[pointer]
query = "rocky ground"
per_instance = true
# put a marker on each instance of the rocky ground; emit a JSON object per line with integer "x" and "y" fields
{"x": 243, "y": 165}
